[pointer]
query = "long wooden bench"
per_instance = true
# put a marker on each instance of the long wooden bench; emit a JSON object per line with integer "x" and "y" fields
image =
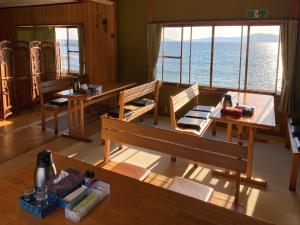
{"x": 293, "y": 141}
{"x": 55, "y": 105}
{"x": 208, "y": 151}
{"x": 199, "y": 113}
{"x": 127, "y": 98}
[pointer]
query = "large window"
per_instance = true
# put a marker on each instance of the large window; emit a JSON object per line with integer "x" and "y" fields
{"x": 239, "y": 57}
{"x": 68, "y": 38}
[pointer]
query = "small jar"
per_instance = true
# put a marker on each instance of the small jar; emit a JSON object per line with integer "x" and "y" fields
{"x": 226, "y": 102}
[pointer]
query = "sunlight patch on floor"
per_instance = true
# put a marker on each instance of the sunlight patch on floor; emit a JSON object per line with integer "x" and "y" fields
{"x": 137, "y": 157}
{"x": 252, "y": 201}
{"x": 5, "y": 123}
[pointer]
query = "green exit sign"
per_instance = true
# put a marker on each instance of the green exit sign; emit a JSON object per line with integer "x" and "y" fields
{"x": 261, "y": 13}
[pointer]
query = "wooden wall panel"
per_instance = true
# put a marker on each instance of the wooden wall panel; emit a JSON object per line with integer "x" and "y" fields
{"x": 99, "y": 47}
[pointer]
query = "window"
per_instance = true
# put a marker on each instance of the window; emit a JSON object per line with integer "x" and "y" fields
{"x": 68, "y": 38}
{"x": 237, "y": 57}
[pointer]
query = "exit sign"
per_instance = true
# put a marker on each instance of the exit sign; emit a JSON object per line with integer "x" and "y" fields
{"x": 261, "y": 13}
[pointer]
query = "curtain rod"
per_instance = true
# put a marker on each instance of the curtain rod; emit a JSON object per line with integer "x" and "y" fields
{"x": 220, "y": 22}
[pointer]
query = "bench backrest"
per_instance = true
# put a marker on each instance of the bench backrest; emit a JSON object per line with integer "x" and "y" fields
{"x": 180, "y": 100}
{"x": 53, "y": 86}
{"x": 209, "y": 151}
{"x": 139, "y": 91}
{"x": 217, "y": 153}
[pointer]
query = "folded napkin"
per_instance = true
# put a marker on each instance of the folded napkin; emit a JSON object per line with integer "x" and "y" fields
{"x": 191, "y": 123}
{"x": 141, "y": 102}
{"x": 203, "y": 108}
{"x": 115, "y": 112}
{"x": 230, "y": 111}
{"x": 197, "y": 114}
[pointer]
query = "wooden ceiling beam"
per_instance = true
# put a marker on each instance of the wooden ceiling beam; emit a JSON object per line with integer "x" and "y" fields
{"x": 294, "y": 9}
{"x": 150, "y": 10}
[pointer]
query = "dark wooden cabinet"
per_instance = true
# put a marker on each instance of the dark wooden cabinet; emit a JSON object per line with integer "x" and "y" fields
{"x": 23, "y": 80}
{"x": 6, "y": 79}
{"x": 22, "y": 66}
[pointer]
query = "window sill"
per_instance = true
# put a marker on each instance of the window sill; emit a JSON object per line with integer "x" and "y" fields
{"x": 204, "y": 89}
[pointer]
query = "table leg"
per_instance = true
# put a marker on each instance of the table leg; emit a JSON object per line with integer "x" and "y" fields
{"x": 76, "y": 111}
{"x": 70, "y": 110}
{"x": 106, "y": 150}
{"x": 229, "y": 139}
{"x": 250, "y": 152}
{"x": 229, "y": 132}
{"x": 240, "y": 134}
{"x": 248, "y": 176}
{"x": 76, "y": 121}
{"x": 81, "y": 118}
{"x": 294, "y": 171}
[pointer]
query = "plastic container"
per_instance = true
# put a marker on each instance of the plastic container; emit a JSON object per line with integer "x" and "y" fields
{"x": 37, "y": 211}
{"x": 99, "y": 190}
{"x": 62, "y": 202}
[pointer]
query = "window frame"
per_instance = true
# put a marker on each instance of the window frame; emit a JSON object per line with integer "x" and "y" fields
{"x": 213, "y": 24}
{"x": 68, "y": 72}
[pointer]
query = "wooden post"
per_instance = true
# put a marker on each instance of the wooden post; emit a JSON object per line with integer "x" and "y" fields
{"x": 70, "y": 109}
{"x": 81, "y": 118}
{"x": 229, "y": 132}
{"x": 237, "y": 189}
{"x": 150, "y": 10}
{"x": 239, "y": 134}
{"x": 250, "y": 152}
{"x": 294, "y": 9}
{"x": 106, "y": 150}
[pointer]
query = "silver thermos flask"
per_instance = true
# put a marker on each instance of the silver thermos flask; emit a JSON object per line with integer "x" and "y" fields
{"x": 45, "y": 168}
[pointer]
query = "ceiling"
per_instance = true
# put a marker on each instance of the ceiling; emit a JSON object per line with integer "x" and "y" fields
{"x": 17, "y": 3}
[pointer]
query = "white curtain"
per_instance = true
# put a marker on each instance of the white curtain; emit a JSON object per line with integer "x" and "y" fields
{"x": 288, "y": 51}
{"x": 153, "y": 42}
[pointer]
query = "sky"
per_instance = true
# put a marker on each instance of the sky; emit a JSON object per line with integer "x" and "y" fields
{"x": 61, "y": 33}
{"x": 174, "y": 33}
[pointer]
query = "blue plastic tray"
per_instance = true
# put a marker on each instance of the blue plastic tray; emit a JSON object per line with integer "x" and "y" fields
{"x": 53, "y": 202}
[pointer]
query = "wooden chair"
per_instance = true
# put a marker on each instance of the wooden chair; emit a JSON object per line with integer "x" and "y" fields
{"x": 138, "y": 92}
{"x": 217, "y": 153}
{"x": 180, "y": 100}
{"x": 49, "y": 87}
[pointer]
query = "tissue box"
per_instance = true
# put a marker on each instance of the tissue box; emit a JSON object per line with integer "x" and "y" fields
{"x": 67, "y": 185}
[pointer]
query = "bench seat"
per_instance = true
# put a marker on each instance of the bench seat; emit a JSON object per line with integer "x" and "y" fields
{"x": 191, "y": 189}
{"x": 130, "y": 170}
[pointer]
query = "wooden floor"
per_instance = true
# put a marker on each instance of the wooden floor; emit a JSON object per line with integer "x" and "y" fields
{"x": 271, "y": 161}
{"x": 218, "y": 198}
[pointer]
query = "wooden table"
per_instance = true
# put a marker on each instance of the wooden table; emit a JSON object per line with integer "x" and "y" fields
{"x": 263, "y": 118}
{"x": 295, "y": 157}
{"x": 130, "y": 202}
{"x": 77, "y": 102}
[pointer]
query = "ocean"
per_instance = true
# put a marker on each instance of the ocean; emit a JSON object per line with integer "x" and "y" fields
{"x": 262, "y": 65}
